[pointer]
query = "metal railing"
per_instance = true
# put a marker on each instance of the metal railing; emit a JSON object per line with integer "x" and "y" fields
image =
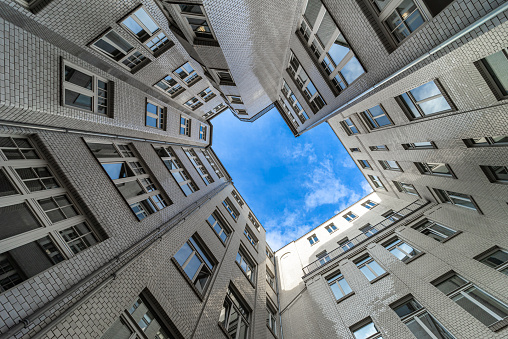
{"x": 354, "y": 242}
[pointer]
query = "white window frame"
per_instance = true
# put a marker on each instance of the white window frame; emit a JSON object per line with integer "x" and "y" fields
{"x": 313, "y": 239}
{"x": 168, "y": 154}
{"x": 295, "y": 105}
{"x": 369, "y": 204}
{"x": 213, "y": 164}
{"x": 335, "y": 279}
{"x": 232, "y": 211}
{"x": 239, "y": 200}
{"x": 452, "y": 198}
{"x": 364, "y": 262}
{"x": 387, "y": 165}
{"x": 207, "y": 94}
{"x": 349, "y": 128}
{"x": 191, "y": 77}
{"x": 426, "y": 226}
{"x": 416, "y": 104}
{"x": 331, "y": 228}
{"x": 376, "y": 181}
{"x": 161, "y": 115}
{"x": 397, "y": 244}
{"x": 172, "y": 90}
{"x": 185, "y": 123}
{"x": 350, "y": 216}
{"x": 362, "y": 324}
{"x": 198, "y": 165}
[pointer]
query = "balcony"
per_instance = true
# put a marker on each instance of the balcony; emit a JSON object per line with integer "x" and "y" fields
{"x": 361, "y": 238}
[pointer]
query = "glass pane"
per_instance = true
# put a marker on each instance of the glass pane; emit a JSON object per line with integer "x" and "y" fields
{"x": 326, "y": 29}
{"x": 192, "y": 266}
{"x": 119, "y": 41}
{"x": 497, "y": 65}
{"x": 16, "y": 219}
{"x": 352, "y": 70}
{"x": 194, "y": 9}
{"x": 146, "y": 20}
{"x": 242, "y": 332}
{"x": 414, "y": 21}
{"x": 34, "y": 185}
{"x": 407, "y": 308}
{"x": 151, "y": 121}
{"x": 418, "y": 331}
{"x": 345, "y": 287}
{"x": 401, "y": 256}
{"x": 116, "y": 170}
{"x": 435, "y": 106}
{"x": 495, "y": 259}
{"x": 234, "y": 318}
{"x": 6, "y": 187}
{"x": 78, "y": 78}
{"x": 443, "y": 230}
{"x": 411, "y": 106}
{"x": 425, "y": 91}
{"x": 492, "y": 304}
{"x": 338, "y": 50}
{"x": 312, "y": 11}
{"x": 201, "y": 253}
{"x": 375, "y": 266}
{"x": 451, "y": 284}
{"x": 78, "y": 100}
{"x": 365, "y": 332}
{"x": 485, "y": 317}
{"x": 130, "y": 189}
{"x": 104, "y": 150}
{"x": 500, "y": 139}
{"x": 368, "y": 274}
{"x": 433, "y": 326}
{"x": 336, "y": 291}
{"x": 202, "y": 278}
{"x": 183, "y": 253}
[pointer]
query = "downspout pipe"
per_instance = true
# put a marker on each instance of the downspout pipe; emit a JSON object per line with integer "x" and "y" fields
{"x": 433, "y": 51}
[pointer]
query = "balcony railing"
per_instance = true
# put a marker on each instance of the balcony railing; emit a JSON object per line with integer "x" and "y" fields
{"x": 351, "y": 244}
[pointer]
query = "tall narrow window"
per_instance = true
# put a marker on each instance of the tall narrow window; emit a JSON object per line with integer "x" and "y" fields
{"x": 496, "y": 66}
{"x": 474, "y": 300}
{"x": 370, "y": 268}
{"x": 155, "y": 115}
{"x": 434, "y": 168}
{"x": 187, "y": 74}
{"x": 376, "y": 181}
{"x": 254, "y": 221}
{"x": 271, "y": 316}
{"x": 250, "y": 236}
{"x": 403, "y": 251}
{"x": 198, "y": 165}
{"x": 240, "y": 201}
{"x": 349, "y": 127}
{"x": 390, "y": 165}
{"x": 219, "y": 226}
{"x": 426, "y": 99}
{"x": 294, "y": 104}
{"x": 231, "y": 209}
{"x": 406, "y": 188}
{"x": 246, "y": 264}
{"x": 175, "y": 167}
{"x": 235, "y": 315}
{"x": 313, "y": 239}
{"x": 420, "y": 322}
{"x": 496, "y": 258}
{"x": 203, "y": 130}
{"x": 339, "y": 286}
{"x": 129, "y": 176}
{"x": 185, "y": 126}
{"x": 213, "y": 163}
{"x": 436, "y": 231}
{"x": 270, "y": 278}
{"x": 365, "y": 330}
{"x": 458, "y": 199}
{"x": 376, "y": 117}
{"x": 194, "y": 259}
{"x": 196, "y": 22}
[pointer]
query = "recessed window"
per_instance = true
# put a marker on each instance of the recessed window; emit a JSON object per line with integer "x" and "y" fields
{"x": 202, "y": 132}
{"x": 185, "y": 126}
{"x": 368, "y": 230}
{"x": 328, "y": 47}
{"x": 219, "y": 108}
{"x": 331, "y": 228}
{"x": 419, "y": 145}
{"x": 496, "y": 174}
{"x": 420, "y": 322}
{"x": 392, "y": 216}
{"x": 406, "y": 188}
{"x": 196, "y": 22}
{"x": 305, "y": 85}
{"x": 170, "y": 86}
{"x": 193, "y": 103}
{"x": 235, "y": 315}
{"x": 434, "y": 168}
{"x": 155, "y": 115}
{"x": 195, "y": 261}
{"x": 270, "y": 278}
{"x": 175, "y": 167}
{"x": 213, "y": 163}
{"x": 231, "y": 208}
{"x": 346, "y": 244}
{"x": 366, "y": 330}
{"x": 500, "y": 140}
{"x": 254, "y": 221}
{"x": 198, "y": 165}
{"x": 364, "y": 164}
{"x": 34, "y": 178}
{"x": 435, "y": 231}
{"x": 378, "y": 148}
{"x": 250, "y": 237}
{"x": 117, "y": 48}
{"x": 349, "y": 127}
{"x": 497, "y": 259}
{"x": 224, "y": 77}
{"x": 425, "y": 100}
{"x": 376, "y": 181}
{"x": 350, "y": 216}
{"x": 496, "y": 66}
{"x": 369, "y": 204}
{"x": 85, "y": 90}
{"x": 239, "y": 200}
{"x": 370, "y": 268}
{"x": 354, "y": 150}
{"x": 234, "y": 99}
{"x": 323, "y": 258}
{"x": 271, "y": 316}
{"x": 376, "y": 117}
{"x": 313, "y": 239}
{"x": 241, "y": 112}
{"x": 458, "y": 199}
{"x": 401, "y": 249}
{"x": 269, "y": 254}
{"x": 207, "y": 94}
{"x": 339, "y": 286}
{"x": 143, "y": 27}
{"x": 481, "y": 305}
{"x": 219, "y": 226}
{"x": 390, "y": 165}
{"x": 246, "y": 264}
{"x": 187, "y": 74}
{"x": 293, "y": 102}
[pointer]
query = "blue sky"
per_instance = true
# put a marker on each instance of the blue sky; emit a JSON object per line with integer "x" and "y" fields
{"x": 291, "y": 184}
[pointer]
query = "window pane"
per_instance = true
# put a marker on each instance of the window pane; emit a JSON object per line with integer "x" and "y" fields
{"x": 78, "y": 100}
{"x": 192, "y": 266}
{"x": 345, "y": 287}
{"x": 352, "y": 70}
{"x": 425, "y": 91}
{"x": 435, "y": 106}
{"x": 497, "y": 65}
{"x": 183, "y": 253}
{"x": 368, "y": 274}
{"x": 78, "y": 78}
{"x": 6, "y": 187}
{"x": 146, "y": 20}
{"x": 486, "y": 318}
{"x": 495, "y": 259}
{"x": 200, "y": 251}
{"x": 338, "y": 50}
{"x": 336, "y": 291}
{"x": 495, "y": 306}
{"x": 116, "y": 170}
{"x": 451, "y": 284}
{"x": 16, "y": 219}
{"x": 366, "y": 331}
{"x": 130, "y": 189}
{"x": 407, "y": 308}
{"x": 375, "y": 266}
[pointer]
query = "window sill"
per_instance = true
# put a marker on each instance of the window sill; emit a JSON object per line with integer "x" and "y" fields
{"x": 451, "y": 237}
{"x": 499, "y": 325}
{"x": 224, "y": 330}
{"x": 196, "y": 291}
{"x": 345, "y": 297}
{"x": 271, "y": 331}
{"x": 380, "y": 277}
{"x": 414, "y": 258}
{"x": 245, "y": 275}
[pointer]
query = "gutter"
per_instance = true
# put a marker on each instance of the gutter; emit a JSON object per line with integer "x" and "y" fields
{"x": 433, "y": 51}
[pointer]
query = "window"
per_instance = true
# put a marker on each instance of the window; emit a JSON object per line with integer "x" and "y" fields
{"x": 323, "y": 258}
{"x": 234, "y": 99}
{"x": 390, "y": 165}
{"x": 246, "y": 264}
{"x": 224, "y": 77}
{"x": 496, "y": 65}
{"x": 287, "y": 115}
{"x": 175, "y": 167}
{"x": 369, "y": 204}
{"x": 219, "y": 108}
{"x": 393, "y": 216}
{"x": 350, "y": 216}
{"x": 426, "y": 99}
{"x": 293, "y": 102}
{"x": 401, "y": 249}
{"x": 346, "y": 244}
{"x": 187, "y": 74}
{"x": 40, "y": 225}
{"x": 497, "y": 259}
{"x": 349, "y": 127}
{"x": 254, "y": 221}
{"x": 331, "y": 228}
{"x": 406, "y": 188}
{"x": 193, "y": 103}
{"x": 155, "y": 115}
{"x": 196, "y": 263}
{"x": 238, "y": 200}
{"x": 202, "y": 132}
{"x": 354, "y": 150}
{"x": 376, "y": 117}
{"x": 136, "y": 186}
{"x": 270, "y": 278}
{"x": 366, "y": 330}
{"x": 117, "y": 48}
{"x": 143, "y": 27}
{"x": 313, "y": 239}
{"x": 378, "y": 148}
{"x": 419, "y": 145}
{"x": 458, "y": 199}
{"x": 235, "y": 315}
{"x": 419, "y": 321}
{"x": 250, "y": 236}
{"x": 170, "y": 86}
{"x": 213, "y": 163}
{"x": 271, "y": 316}
{"x": 304, "y": 83}
{"x": 364, "y": 164}
{"x": 269, "y": 254}
{"x": 242, "y": 111}
{"x": 434, "y": 168}
{"x": 219, "y": 226}
{"x": 196, "y": 22}
{"x": 370, "y": 268}
{"x": 436, "y": 231}
{"x": 368, "y": 230}
{"x": 86, "y": 91}
{"x": 339, "y": 286}
{"x": 500, "y": 140}
{"x": 376, "y": 181}
{"x": 185, "y": 126}
{"x": 207, "y": 94}
{"x": 231, "y": 209}
{"x": 198, "y": 165}
{"x": 481, "y": 305}
{"x": 496, "y": 174}
{"x": 140, "y": 321}
{"x": 328, "y": 47}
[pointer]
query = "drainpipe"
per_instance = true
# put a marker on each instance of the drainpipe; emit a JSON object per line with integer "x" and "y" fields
{"x": 436, "y": 49}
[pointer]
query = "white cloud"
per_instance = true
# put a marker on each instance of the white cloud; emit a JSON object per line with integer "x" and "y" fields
{"x": 301, "y": 151}
{"x": 367, "y": 189}
{"x": 347, "y": 162}
{"x": 287, "y": 227}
